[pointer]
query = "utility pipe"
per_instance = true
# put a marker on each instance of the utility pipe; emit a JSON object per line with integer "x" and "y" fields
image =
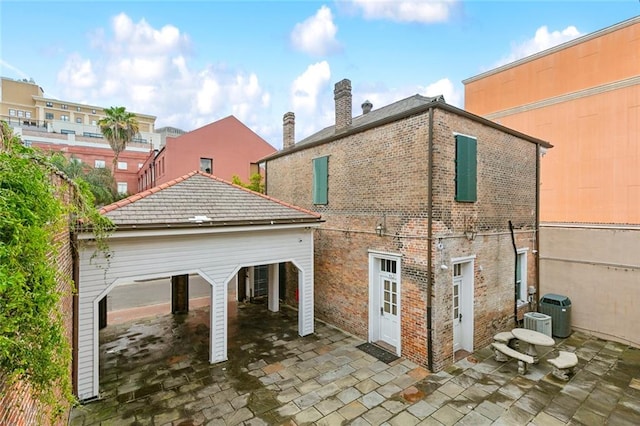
{"x": 515, "y": 275}
{"x": 430, "y": 245}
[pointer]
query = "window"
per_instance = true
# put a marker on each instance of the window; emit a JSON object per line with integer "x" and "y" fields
{"x": 12, "y": 112}
{"x": 26, "y": 143}
{"x": 79, "y": 120}
{"x": 50, "y": 104}
{"x": 99, "y": 164}
{"x": 48, "y": 115}
{"x": 94, "y": 123}
{"x": 466, "y": 169}
{"x": 140, "y": 166}
{"x": 20, "y": 113}
{"x": 206, "y": 165}
{"x": 27, "y": 114}
{"x": 63, "y": 106}
{"x": 93, "y": 111}
{"x": 320, "y": 180}
{"x": 78, "y": 109}
{"x": 521, "y": 276}
{"x": 122, "y": 165}
{"x": 122, "y": 187}
{"x": 67, "y": 132}
{"x": 64, "y": 117}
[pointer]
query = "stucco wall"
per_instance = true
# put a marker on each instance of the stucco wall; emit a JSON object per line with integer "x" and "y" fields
{"x": 598, "y": 268}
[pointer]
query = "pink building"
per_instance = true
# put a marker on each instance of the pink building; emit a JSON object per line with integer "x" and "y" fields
{"x": 223, "y": 148}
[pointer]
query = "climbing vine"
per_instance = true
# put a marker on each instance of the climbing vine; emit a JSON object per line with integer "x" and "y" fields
{"x": 33, "y": 212}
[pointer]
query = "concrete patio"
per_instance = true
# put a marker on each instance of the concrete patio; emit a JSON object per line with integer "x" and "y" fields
{"x": 154, "y": 371}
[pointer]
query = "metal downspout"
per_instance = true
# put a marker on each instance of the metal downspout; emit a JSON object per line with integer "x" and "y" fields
{"x": 515, "y": 275}
{"x": 537, "y": 230}
{"x": 75, "y": 262}
{"x": 429, "y": 246}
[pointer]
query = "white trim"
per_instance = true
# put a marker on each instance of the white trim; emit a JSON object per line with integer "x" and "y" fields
{"x": 465, "y": 135}
{"x": 524, "y": 284}
{"x": 374, "y": 296}
{"x": 467, "y": 302}
{"x": 179, "y": 230}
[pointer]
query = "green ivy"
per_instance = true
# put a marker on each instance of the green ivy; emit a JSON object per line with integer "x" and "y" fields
{"x": 33, "y": 346}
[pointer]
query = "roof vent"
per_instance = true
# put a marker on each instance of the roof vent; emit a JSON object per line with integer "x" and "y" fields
{"x": 200, "y": 219}
{"x": 366, "y": 107}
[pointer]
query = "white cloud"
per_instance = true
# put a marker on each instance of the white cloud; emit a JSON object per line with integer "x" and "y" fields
{"x": 452, "y": 94}
{"x": 422, "y": 11}
{"x": 147, "y": 70}
{"x": 306, "y": 88}
{"x": 542, "y": 40}
{"x": 317, "y": 34}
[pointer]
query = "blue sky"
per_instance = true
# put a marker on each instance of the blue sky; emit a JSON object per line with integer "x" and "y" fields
{"x": 190, "y": 63}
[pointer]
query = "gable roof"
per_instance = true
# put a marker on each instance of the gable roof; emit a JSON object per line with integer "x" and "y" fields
{"x": 403, "y": 108}
{"x": 199, "y": 199}
{"x": 376, "y": 115}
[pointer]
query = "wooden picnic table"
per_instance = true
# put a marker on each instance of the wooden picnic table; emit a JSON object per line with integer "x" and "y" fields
{"x": 531, "y": 338}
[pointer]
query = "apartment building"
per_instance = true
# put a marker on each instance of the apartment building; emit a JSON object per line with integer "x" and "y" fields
{"x": 72, "y": 128}
{"x": 584, "y": 97}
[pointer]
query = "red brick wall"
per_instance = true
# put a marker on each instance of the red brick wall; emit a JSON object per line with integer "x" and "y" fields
{"x": 381, "y": 176}
{"x": 17, "y": 407}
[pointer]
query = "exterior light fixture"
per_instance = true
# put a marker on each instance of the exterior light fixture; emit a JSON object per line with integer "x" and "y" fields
{"x": 380, "y": 230}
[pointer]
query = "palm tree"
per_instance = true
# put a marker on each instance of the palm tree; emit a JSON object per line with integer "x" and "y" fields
{"x": 118, "y": 127}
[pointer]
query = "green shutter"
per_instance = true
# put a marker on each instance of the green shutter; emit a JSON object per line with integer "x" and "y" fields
{"x": 320, "y": 180}
{"x": 466, "y": 169}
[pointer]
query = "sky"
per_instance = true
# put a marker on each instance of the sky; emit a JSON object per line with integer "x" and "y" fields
{"x": 190, "y": 63}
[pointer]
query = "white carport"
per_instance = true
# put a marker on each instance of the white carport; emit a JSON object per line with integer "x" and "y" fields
{"x": 194, "y": 224}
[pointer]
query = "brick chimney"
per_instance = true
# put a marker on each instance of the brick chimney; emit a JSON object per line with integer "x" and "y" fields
{"x": 366, "y": 107}
{"x": 288, "y": 130}
{"x": 342, "y": 96}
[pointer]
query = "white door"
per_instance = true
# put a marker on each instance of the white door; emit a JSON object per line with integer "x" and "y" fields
{"x": 457, "y": 307}
{"x": 389, "y": 298}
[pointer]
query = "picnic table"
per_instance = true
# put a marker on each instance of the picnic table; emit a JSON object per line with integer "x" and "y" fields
{"x": 531, "y": 338}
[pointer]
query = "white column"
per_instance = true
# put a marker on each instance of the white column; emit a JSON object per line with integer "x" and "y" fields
{"x": 274, "y": 288}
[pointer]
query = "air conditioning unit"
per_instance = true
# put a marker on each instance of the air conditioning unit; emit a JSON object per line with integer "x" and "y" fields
{"x": 538, "y": 322}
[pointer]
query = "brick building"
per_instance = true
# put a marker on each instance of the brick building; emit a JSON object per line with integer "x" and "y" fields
{"x": 417, "y": 253}
{"x": 223, "y": 148}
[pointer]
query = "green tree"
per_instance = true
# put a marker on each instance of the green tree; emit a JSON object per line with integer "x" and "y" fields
{"x": 255, "y": 182}
{"x": 100, "y": 180}
{"x": 118, "y": 127}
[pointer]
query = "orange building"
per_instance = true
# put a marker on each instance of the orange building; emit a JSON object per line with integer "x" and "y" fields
{"x": 223, "y": 148}
{"x": 584, "y": 97}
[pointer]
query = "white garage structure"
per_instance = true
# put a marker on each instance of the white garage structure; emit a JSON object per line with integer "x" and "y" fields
{"x": 194, "y": 224}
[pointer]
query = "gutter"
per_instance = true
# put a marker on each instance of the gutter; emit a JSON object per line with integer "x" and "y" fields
{"x": 537, "y": 230}
{"x": 430, "y": 245}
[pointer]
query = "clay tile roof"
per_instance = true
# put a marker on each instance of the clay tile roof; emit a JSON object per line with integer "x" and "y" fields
{"x": 202, "y": 199}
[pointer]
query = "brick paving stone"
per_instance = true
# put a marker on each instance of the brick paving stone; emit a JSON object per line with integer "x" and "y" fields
{"x": 587, "y": 416}
{"x": 447, "y": 415}
{"x": 288, "y": 410}
{"x": 179, "y": 400}
{"x": 404, "y": 381}
{"x": 328, "y": 390}
{"x": 544, "y": 419}
{"x": 308, "y": 386}
{"x": 394, "y": 406}
{"x": 328, "y": 405}
{"x": 366, "y": 386}
{"x": 331, "y": 420}
{"x": 489, "y": 409}
{"x": 451, "y": 389}
{"x": 238, "y": 416}
{"x": 474, "y": 419}
{"x": 430, "y": 421}
{"x": 165, "y": 417}
{"x": 383, "y": 377}
{"x": 308, "y": 415}
{"x": 346, "y": 381}
{"x": 363, "y": 373}
{"x": 352, "y": 410}
{"x": 421, "y": 409}
{"x": 288, "y": 395}
{"x": 418, "y": 372}
{"x": 198, "y": 405}
{"x": 372, "y": 399}
{"x": 349, "y": 394}
{"x": 404, "y": 419}
{"x": 388, "y": 390}
{"x": 240, "y": 401}
{"x": 307, "y": 400}
{"x": 437, "y": 399}
{"x": 217, "y": 410}
{"x": 378, "y": 366}
{"x": 359, "y": 422}
{"x": 376, "y": 415}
